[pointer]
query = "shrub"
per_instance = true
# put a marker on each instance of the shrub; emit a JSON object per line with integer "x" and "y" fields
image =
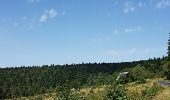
{"x": 123, "y": 80}
{"x": 139, "y": 74}
{"x": 152, "y": 91}
{"x": 116, "y": 92}
{"x": 141, "y": 80}
{"x": 65, "y": 94}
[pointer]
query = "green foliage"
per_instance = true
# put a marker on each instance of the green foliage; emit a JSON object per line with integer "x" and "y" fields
{"x": 123, "y": 80}
{"x": 30, "y": 81}
{"x": 92, "y": 96}
{"x": 35, "y": 80}
{"x": 167, "y": 73}
{"x": 169, "y": 48}
{"x": 116, "y": 92}
{"x": 65, "y": 94}
{"x": 152, "y": 91}
{"x": 139, "y": 74}
{"x": 166, "y": 70}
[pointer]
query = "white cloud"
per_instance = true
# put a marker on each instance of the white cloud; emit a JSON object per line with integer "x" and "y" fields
{"x": 141, "y": 4}
{"x": 52, "y": 13}
{"x": 127, "y": 30}
{"x": 33, "y": 1}
{"x": 133, "y": 29}
{"x": 121, "y": 52}
{"x": 43, "y": 18}
{"x": 101, "y": 39}
{"x": 133, "y": 51}
{"x": 128, "y": 10}
{"x": 163, "y": 3}
{"x": 125, "y": 10}
{"x": 128, "y": 7}
{"x": 131, "y": 6}
{"x": 160, "y": 3}
{"x": 26, "y": 23}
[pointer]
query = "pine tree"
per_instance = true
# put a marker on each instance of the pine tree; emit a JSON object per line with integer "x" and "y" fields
{"x": 168, "y": 48}
{"x": 168, "y": 62}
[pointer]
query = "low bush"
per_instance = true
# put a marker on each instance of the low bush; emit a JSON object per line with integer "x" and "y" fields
{"x": 152, "y": 91}
{"x": 116, "y": 92}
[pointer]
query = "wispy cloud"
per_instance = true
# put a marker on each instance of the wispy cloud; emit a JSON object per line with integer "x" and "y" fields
{"x": 133, "y": 29}
{"x": 160, "y": 3}
{"x": 26, "y": 23}
{"x": 117, "y": 31}
{"x": 52, "y": 13}
{"x": 43, "y": 18}
{"x": 131, "y": 6}
{"x": 127, "y": 10}
{"x": 141, "y": 4}
{"x": 32, "y": 23}
{"x": 121, "y": 52}
{"x": 128, "y": 7}
{"x": 163, "y": 4}
{"x": 33, "y": 1}
{"x": 101, "y": 39}
{"x": 133, "y": 51}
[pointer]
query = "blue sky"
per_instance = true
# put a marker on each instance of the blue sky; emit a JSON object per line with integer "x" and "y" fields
{"x": 37, "y": 32}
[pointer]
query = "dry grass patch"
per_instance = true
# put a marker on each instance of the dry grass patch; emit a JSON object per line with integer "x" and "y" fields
{"x": 138, "y": 90}
{"x": 164, "y": 95}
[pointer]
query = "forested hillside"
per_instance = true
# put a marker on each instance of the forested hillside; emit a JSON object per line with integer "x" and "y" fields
{"x": 34, "y": 80}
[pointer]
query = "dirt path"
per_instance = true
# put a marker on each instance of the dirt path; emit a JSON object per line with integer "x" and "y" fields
{"x": 164, "y": 83}
{"x": 165, "y": 94}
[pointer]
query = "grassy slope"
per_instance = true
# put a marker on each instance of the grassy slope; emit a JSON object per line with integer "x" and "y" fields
{"x": 96, "y": 93}
{"x": 135, "y": 90}
{"x": 164, "y": 95}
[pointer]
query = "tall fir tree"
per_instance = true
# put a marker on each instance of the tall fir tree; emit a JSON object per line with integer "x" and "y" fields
{"x": 168, "y": 62}
{"x": 168, "y": 48}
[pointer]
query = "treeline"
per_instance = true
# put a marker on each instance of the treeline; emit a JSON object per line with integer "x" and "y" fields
{"x": 34, "y": 80}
